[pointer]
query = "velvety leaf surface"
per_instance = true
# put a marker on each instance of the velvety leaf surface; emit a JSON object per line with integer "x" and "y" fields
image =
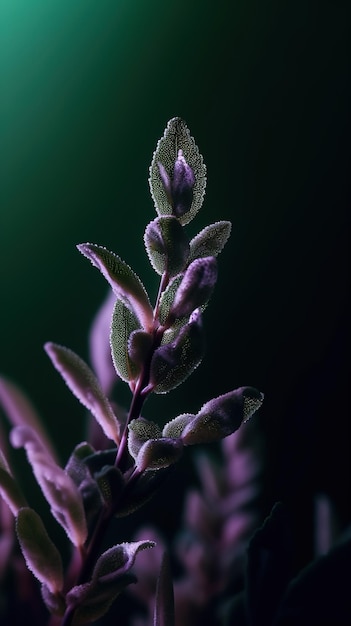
{"x": 125, "y": 283}
{"x": 41, "y": 555}
{"x": 124, "y": 322}
{"x": 155, "y": 454}
{"x": 176, "y": 137}
{"x": 140, "y": 431}
{"x": 84, "y": 385}
{"x": 210, "y": 241}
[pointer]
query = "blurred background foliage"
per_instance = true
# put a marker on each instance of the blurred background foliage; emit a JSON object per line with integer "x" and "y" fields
{"x": 87, "y": 88}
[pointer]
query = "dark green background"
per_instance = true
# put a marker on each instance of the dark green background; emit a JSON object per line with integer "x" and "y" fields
{"x": 87, "y": 87}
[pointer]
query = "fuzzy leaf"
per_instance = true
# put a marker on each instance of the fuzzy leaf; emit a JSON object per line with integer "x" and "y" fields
{"x": 125, "y": 283}
{"x": 110, "y": 576}
{"x": 222, "y": 416}
{"x": 168, "y": 171}
{"x": 118, "y": 560}
{"x": 210, "y": 241}
{"x": 155, "y": 454}
{"x": 124, "y": 322}
{"x": 41, "y": 555}
{"x": 172, "y": 363}
{"x": 57, "y": 486}
{"x": 175, "y": 427}
{"x": 167, "y": 245}
{"x": 84, "y": 385}
{"x": 164, "y": 603}
{"x": 140, "y": 431}
{"x": 196, "y": 287}
{"x": 9, "y": 489}
{"x": 144, "y": 489}
{"x": 92, "y": 601}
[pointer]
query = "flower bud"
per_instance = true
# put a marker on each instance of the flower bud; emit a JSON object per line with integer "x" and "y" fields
{"x": 196, "y": 287}
{"x": 182, "y": 186}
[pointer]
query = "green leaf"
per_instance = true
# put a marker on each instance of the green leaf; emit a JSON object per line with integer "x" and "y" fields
{"x": 41, "y": 555}
{"x": 175, "y": 427}
{"x": 9, "y": 489}
{"x": 210, "y": 241}
{"x": 124, "y": 322}
{"x": 176, "y": 137}
{"x": 54, "y": 602}
{"x": 155, "y": 454}
{"x": 118, "y": 560}
{"x": 140, "y": 431}
{"x": 125, "y": 283}
{"x": 84, "y": 385}
{"x": 167, "y": 245}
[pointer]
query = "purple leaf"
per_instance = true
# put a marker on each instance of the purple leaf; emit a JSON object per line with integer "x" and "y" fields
{"x": 196, "y": 287}
{"x": 85, "y": 386}
{"x": 57, "y": 486}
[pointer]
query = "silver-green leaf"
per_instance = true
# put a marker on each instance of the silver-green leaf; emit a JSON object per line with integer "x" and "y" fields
{"x": 210, "y": 241}
{"x": 123, "y": 324}
{"x": 167, "y": 245}
{"x": 176, "y": 138}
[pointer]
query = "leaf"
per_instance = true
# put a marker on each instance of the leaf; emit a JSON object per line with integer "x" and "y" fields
{"x": 9, "y": 489}
{"x": 140, "y": 431}
{"x": 84, "y": 385}
{"x": 110, "y": 576}
{"x": 125, "y": 283}
{"x": 176, "y": 137}
{"x": 222, "y": 416}
{"x": 156, "y": 454}
{"x": 167, "y": 245}
{"x": 175, "y": 427}
{"x": 57, "y": 486}
{"x": 118, "y": 560}
{"x": 164, "y": 603}
{"x": 172, "y": 363}
{"x": 210, "y": 241}
{"x": 54, "y": 602}
{"x": 41, "y": 555}
{"x": 124, "y": 322}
